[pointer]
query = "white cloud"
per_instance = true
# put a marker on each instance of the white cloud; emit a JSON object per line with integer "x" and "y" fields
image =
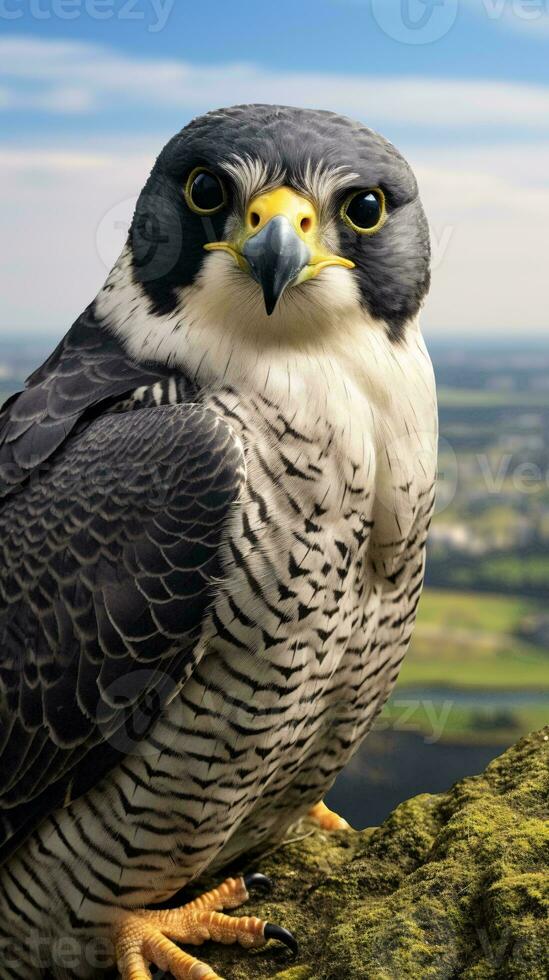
{"x": 489, "y": 212}
{"x": 52, "y": 202}
{"x": 74, "y": 76}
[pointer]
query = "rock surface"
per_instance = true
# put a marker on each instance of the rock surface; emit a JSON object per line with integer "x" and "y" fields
{"x": 452, "y": 885}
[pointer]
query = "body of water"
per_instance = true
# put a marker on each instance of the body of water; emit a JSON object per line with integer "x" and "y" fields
{"x": 392, "y": 766}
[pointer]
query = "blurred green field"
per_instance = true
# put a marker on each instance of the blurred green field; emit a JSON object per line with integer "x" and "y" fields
{"x": 471, "y": 675}
{"x": 485, "y": 398}
{"x": 507, "y": 573}
{"x": 471, "y": 640}
{"x": 468, "y": 610}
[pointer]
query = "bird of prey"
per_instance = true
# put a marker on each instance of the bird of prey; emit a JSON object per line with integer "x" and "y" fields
{"x": 215, "y": 496}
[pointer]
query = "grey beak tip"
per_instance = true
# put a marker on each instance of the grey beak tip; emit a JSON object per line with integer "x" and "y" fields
{"x": 276, "y": 255}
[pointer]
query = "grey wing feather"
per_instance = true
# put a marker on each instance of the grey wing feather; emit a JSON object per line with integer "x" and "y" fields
{"x": 88, "y": 368}
{"x": 109, "y": 558}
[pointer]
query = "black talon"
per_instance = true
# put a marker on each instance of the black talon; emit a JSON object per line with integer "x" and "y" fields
{"x": 283, "y": 936}
{"x": 259, "y": 881}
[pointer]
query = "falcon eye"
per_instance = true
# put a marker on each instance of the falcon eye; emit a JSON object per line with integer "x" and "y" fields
{"x": 204, "y": 192}
{"x": 365, "y": 211}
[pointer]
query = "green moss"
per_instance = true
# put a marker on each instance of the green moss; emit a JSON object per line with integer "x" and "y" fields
{"x": 295, "y": 973}
{"x": 450, "y": 885}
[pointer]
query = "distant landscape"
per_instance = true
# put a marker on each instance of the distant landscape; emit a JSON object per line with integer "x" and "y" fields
{"x": 477, "y": 674}
{"x": 484, "y": 621}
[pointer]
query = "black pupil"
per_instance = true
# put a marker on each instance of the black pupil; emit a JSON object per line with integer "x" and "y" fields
{"x": 206, "y": 192}
{"x": 364, "y": 210}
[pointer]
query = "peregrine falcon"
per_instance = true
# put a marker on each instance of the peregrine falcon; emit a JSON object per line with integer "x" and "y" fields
{"x": 215, "y": 496}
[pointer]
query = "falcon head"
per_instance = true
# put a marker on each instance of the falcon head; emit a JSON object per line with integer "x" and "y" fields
{"x": 277, "y": 222}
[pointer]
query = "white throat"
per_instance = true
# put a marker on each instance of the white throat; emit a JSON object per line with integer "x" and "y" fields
{"x": 319, "y": 342}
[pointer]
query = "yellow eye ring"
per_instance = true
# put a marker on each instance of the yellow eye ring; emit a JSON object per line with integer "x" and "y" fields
{"x": 187, "y": 191}
{"x": 372, "y": 191}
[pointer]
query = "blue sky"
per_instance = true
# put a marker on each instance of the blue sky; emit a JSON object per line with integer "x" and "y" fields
{"x": 90, "y": 89}
{"x": 336, "y": 35}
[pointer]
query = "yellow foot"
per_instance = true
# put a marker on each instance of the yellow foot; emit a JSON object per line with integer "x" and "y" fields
{"x": 327, "y": 819}
{"x": 142, "y": 938}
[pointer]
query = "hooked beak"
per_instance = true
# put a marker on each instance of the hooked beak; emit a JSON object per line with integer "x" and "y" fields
{"x": 278, "y": 245}
{"x": 276, "y": 256}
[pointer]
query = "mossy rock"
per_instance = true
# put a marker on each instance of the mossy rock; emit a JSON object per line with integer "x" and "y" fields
{"x": 452, "y": 885}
